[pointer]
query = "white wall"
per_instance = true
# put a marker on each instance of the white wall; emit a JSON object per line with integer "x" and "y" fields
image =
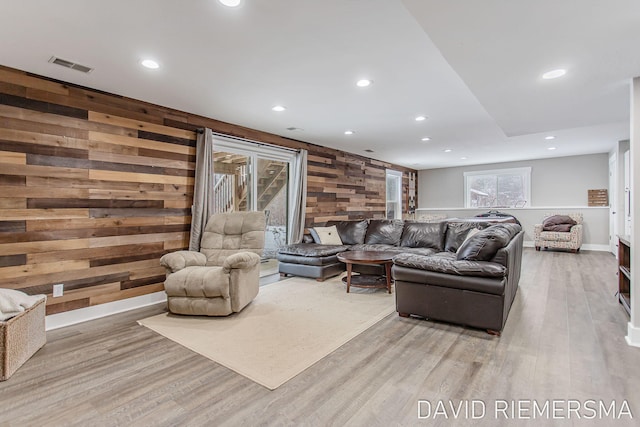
{"x": 559, "y": 181}
{"x": 633, "y": 329}
{"x": 558, "y": 185}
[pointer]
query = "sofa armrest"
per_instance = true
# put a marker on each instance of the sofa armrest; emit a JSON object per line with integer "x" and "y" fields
{"x": 576, "y": 234}
{"x": 176, "y": 261}
{"x": 241, "y": 260}
{"x": 451, "y": 266}
{"x": 537, "y": 229}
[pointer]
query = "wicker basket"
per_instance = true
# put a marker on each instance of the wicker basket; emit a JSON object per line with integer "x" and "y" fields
{"x": 20, "y": 337}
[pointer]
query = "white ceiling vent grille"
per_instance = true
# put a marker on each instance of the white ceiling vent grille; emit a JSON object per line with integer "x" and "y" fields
{"x": 69, "y": 64}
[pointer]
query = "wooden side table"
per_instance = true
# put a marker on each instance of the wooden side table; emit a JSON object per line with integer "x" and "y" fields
{"x": 371, "y": 258}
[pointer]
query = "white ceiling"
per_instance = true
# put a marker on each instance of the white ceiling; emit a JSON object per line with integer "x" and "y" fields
{"x": 473, "y": 67}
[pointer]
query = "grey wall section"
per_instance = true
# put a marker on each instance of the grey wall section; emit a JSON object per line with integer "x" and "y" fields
{"x": 559, "y": 181}
{"x": 558, "y": 185}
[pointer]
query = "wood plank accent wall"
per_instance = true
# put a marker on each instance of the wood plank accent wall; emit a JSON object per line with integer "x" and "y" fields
{"x": 95, "y": 188}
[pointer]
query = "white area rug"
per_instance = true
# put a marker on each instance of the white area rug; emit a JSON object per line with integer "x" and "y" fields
{"x": 288, "y": 327}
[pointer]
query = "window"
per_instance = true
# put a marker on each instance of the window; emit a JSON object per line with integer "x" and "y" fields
{"x": 502, "y": 188}
{"x": 394, "y": 194}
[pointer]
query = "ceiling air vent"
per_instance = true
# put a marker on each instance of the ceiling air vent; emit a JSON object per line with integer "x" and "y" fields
{"x": 69, "y": 64}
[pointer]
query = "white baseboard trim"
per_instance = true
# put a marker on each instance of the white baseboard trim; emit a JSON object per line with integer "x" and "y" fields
{"x": 594, "y": 247}
{"x": 633, "y": 335}
{"x": 68, "y": 318}
{"x": 585, "y": 246}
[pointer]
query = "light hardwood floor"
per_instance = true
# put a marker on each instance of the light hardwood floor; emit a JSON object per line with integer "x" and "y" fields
{"x": 564, "y": 339}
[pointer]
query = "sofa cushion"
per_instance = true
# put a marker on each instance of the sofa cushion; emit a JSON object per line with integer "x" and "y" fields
{"x": 450, "y": 266}
{"x": 377, "y": 247}
{"x": 418, "y": 251}
{"x": 312, "y": 249}
{"x": 555, "y": 236}
{"x": 457, "y": 232}
{"x": 423, "y": 235}
{"x": 558, "y": 223}
{"x": 485, "y": 244}
{"x": 326, "y": 235}
{"x": 351, "y": 232}
{"x": 384, "y": 231}
{"x": 436, "y": 279}
{"x": 307, "y": 260}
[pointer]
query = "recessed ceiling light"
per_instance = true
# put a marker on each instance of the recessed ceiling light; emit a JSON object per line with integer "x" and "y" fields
{"x": 279, "y": 108}
{"x": 463, "y": 158}
{"x": 426, "y": 138}
{"x": 230, "y": 3}
{"x": 363, "y": 83}
{"x": 554, "y": 74}
{"x": 421, "y": 118}
{"x": 349, "y": 132}
{"x": 551, "y": 148}
{"x": 448, "y": 150}
{"x": 549, "y": 137}
{"x": 150, "y": 63}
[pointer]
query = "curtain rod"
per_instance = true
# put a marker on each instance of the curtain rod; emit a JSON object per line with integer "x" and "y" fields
{"x": 265, "y": 144}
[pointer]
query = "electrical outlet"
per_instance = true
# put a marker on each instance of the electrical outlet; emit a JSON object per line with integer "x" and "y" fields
{"x": 58, "y": 290}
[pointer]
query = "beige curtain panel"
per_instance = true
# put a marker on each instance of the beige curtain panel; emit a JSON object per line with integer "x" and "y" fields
{"x": 298, "y": 198}
{"x": 202, "y": 207}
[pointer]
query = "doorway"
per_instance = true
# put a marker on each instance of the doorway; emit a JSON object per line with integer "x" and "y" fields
{"x": 613, "y": 204}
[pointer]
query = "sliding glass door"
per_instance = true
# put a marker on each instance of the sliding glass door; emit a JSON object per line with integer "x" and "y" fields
{"x": 251, "y": 177}
{"x": 272, "y": 178}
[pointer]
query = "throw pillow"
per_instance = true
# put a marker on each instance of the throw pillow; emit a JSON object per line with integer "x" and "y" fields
{"x": 456, "y": 233}
{"x": 561, "y": 223}
{"x": 483, "y": 245}
{"x": 326, "y": 235}
{"x": 472, "y": 232}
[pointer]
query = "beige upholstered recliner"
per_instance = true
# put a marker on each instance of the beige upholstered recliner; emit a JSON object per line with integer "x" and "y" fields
{"x": 571, "y": 240}
{"x": 224, "y": 276}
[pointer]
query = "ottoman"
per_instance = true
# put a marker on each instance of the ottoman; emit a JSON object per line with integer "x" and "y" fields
{"x": 311, "y": 260}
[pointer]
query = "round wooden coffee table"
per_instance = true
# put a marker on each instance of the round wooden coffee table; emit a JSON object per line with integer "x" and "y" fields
{"x": 368, "y": 257}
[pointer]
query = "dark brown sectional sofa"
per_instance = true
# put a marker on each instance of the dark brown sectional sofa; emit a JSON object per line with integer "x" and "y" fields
{"x": 436, "y": 275}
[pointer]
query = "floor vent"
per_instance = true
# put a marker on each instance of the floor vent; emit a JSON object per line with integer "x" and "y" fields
{"x": 69, "y": 64}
